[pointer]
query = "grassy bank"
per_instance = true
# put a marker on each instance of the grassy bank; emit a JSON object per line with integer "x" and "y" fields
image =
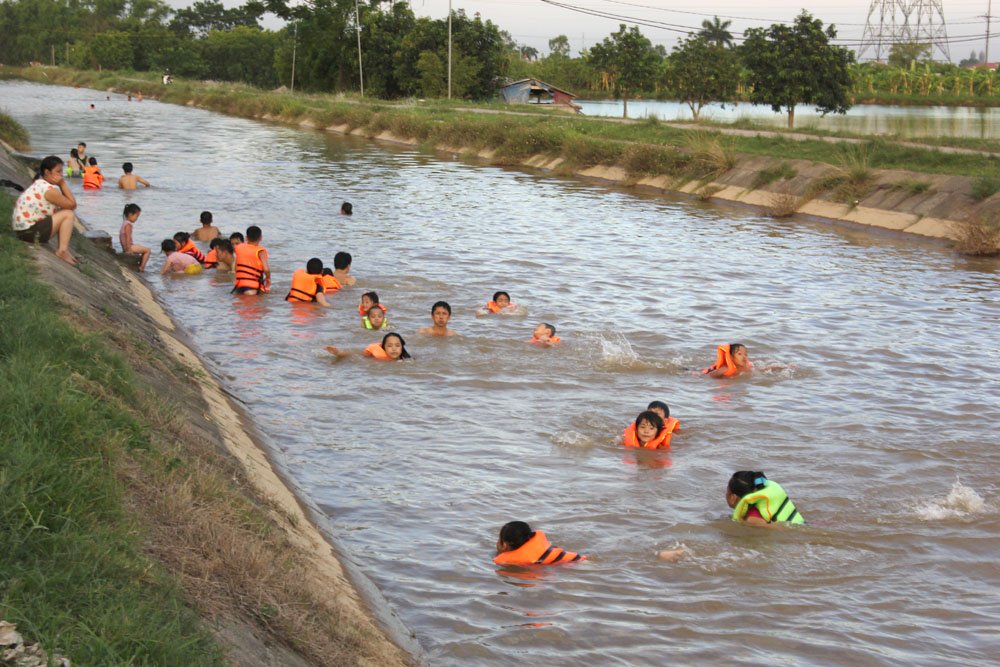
{"x": 13, "y": 133}
{"x": 74, "y": 574}
{"x": 641, "y": 149}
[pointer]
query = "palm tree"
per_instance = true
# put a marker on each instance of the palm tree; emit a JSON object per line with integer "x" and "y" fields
{"x": 717, "y": 32}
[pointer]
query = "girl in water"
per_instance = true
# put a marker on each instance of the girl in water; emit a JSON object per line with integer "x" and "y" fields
{"x": 648, "y": 432}
{"x": 392, "y": 348}
{"x": 730, "y": 360}
{"x": 74, "y": 168}
{"x": 758, "y": 501}
{"x": 500, "y": 304}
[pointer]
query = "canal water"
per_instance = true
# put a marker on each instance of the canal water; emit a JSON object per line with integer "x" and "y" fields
{"x": 871, "y": 119}
{"x": 878, "y": 413}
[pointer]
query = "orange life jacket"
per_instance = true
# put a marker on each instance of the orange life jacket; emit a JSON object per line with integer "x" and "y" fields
{"x": 211, "y": 259}
{"x": 330, "y": 284}
{"x": 662, "y": 439}
{"x": 305, "y": 286}
{"x": 537, "y": 551}
{"x": 190, "y": 248}
{"x": 363, "y": 313}
{"x": 492, "y": 307}
{"x": 723, "y": 359}
{"x": 552, "y": 339}
{"x": 249, "y": 267}
{"x": 92, "y": 178}
{"x": 376, "y": 351}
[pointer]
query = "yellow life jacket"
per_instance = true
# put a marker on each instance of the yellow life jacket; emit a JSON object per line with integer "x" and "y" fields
{"x": 771, "y": 501}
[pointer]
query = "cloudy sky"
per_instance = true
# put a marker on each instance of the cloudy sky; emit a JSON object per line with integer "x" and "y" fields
{"x": 534, "y": 22}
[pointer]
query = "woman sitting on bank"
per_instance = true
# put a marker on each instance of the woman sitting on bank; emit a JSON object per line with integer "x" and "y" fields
{"x": 45, "y": 209}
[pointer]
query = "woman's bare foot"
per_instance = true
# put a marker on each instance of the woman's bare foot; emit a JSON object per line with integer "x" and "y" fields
{"x": 65, "y": 256}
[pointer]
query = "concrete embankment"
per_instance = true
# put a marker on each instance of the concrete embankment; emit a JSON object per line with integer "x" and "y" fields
{"x": 254, "y": 560}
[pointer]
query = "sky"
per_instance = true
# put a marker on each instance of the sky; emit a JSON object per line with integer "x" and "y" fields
{"x": 534, "y": 22}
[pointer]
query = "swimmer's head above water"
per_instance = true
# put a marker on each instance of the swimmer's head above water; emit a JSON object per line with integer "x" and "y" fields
{"x": 660, "y": 408}
{"x": 647, "y": 426}
{"x": 395, "y": 346}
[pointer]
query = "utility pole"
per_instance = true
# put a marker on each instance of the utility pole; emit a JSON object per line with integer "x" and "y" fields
{"x": 53, "y": 55}
{"x": 295, "y": 43}
{"x": 989, "y": 7}
{"x": 449, "y": 49}
{"x": 66, "y": 62}
{"x": 361, "y": 69}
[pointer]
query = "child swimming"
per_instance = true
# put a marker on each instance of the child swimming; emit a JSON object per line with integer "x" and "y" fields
{"x": 500, "y": 304}
{"x": 368, "y": 300}
{"x": 252, "y": 270}
{"x": 544, "y": 335}
{"x": 329, "y": 281}
{"x": 440, "y": 314}
{"x": 93, "y": 179}
{"x": 758, "y": 501}
{"x": 375, "y": 319}
{"x": 730, "y": 361}
{"x": 306, "y": 287}
{"x": 129, "y": 180}
{"x": 519, "y": 545}
{"x": 392, "y": 348}
{"x": 649, "y": 431}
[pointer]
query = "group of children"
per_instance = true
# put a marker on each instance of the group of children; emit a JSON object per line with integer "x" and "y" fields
{"x": 80, "y": 165}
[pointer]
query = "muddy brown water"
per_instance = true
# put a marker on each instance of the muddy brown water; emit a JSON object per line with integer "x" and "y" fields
{"x": 881, "y": 420}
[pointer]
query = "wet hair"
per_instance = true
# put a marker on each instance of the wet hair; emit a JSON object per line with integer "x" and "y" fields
{"x": 735, "y": 346}
{"x": 224, "y": 246}
{"x": 552, "y": 329}
{"x": 441, "y": 304}
{"x": 745, "y": 481}
{"x": 515, "y": 533}
{"x": 652, "y": 418}
{"x": 254, "y": 233}
{"x": 206, "y": 217}
{"x": 168, "y": 245}
{"x": 74, "y": 153}
{"x": 82, "y": 143}
{"x": 130, "y": 209}
{"x": 92, "y": 161}
{"x": 314, "y": 266}
{"x": 497, "y": 295}
{"x": 237, "y": 235}
{"x": 214, "y": 243}
{"x": 346, "y": 208}
{"x": 182, "y": 238}
{"x": 374, "y": 308}
{"x": 371, "y": 295}
{"x": 327, "y": 271}
{"x": 661, "y": 405}
{"x": 48, "y": 164}
{"x": 342, "y": 260}
{"x": 404, "y": 354}
{"x": 127, "y": 167}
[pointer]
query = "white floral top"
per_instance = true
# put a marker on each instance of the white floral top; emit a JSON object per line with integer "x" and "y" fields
{"x": 32, "y": 206}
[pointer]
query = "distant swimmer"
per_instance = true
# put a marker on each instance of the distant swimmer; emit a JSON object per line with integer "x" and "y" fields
{"x": 500, "y": 304}
{"x": 758, "y": 501}
{"x": 518, "y": 544}
{"x": 187, "y": 246}
{"x": 206, "y": 232}
{"x": 346, "y": 208}
{"x": 544, "y": 335}
{"x": 178, "y": 262}
{"x": 375, "y": 320}
{"x": 93, "y": 179}
{"x": 129, "y": 217}
{"x": 74, "y": 168}
{"x": 306, "y": 287}
{"x": 220, "y": 255}
{"x": 342, "y": 269}
{"x": 81, "y": 152}
{"x": 369, "y": 299}
{"x": 440, "y": 314}
{"x": 649, "y": 431}
{"x": 730, "y": 361}
{"x": 129, "y": 180}
{"x": 329, "y": 281}
{"x": 253, "y": 273}
{"x": 392, "y": 348}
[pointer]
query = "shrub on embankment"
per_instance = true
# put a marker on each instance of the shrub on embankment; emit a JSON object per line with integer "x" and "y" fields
{"x": 13, "y": 133}
{"x": 73, "y": 573}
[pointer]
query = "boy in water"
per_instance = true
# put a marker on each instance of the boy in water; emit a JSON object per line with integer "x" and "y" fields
{"x": 206, "y": 232}
{"x": 253, "y": 272}
{"x": 130, "y": 181}
{"x": 342, "y": 269}
{"x": 519, "y": 545}
{"x": 545, "y": 335}
{"x": 375, "y": 319}
{"x": 730, "y": 360}
{"x": 346, "y": 208}
{"x": 440, "y": 314}
{"x": 93, "y": 179}
{"x": 236, "y": 238}
{"x": 178, "y": 262}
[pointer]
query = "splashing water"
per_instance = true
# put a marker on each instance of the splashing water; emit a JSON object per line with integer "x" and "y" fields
{"x": 961, "y": 501}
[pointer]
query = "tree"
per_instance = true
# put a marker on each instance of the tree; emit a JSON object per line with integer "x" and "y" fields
{"x": 702, "y": 72}
{"x": 529, "y": 53}
{"x": 973, "y": 59}
{"x": 716, "y": 31}
{"x": 628, "y": 60}
{"x": 559, "y": 47}
{"x": 908, "y": 54}
{"x": 796, "y": 64}
{"x": 207, "y": 15}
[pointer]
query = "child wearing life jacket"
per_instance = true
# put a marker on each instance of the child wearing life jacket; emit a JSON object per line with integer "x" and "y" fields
{"x": 342, "y": 269}
{"x": 178, "y": 262}
{"x": 368, "y": 301}
{"x": 392, "y": 348}
{"x": 375, "y": 320}
{"x": 544, "y": 335}
{"x": 237, "y": 238}
{"x": 129, "y": 216}
{"x": 649, "y": 431}
{"x": 500, "y": 304}
{"x": 758, "y": 501}
{"x": 252, "y": 271}
{"x": 93, "y": 179}
{"x": 329, "y": 281}
{"x": 187, "y": 246}
{"x": 440, "y": 314}
{"x": 219, "y": 255}
{"x": 519, "y": 545}
{"x": 306, "y": 287}
{"x": 730, "y": 361}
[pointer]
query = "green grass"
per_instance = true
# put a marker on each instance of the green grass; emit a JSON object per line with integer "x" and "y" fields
{"x": 782, "y": 172}
{"x": 912, "y": 186}
{"x": 14, "y": 133}
{"x": 985, "y": 187}
{"x": 74, "y": 575}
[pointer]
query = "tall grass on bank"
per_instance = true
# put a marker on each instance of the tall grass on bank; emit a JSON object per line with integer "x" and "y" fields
{"x": 73, "y": 574}
{"x": 14, "y": 133}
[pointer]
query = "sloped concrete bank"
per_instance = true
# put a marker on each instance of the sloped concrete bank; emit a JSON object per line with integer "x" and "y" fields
{"x": 292, "y": 552}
